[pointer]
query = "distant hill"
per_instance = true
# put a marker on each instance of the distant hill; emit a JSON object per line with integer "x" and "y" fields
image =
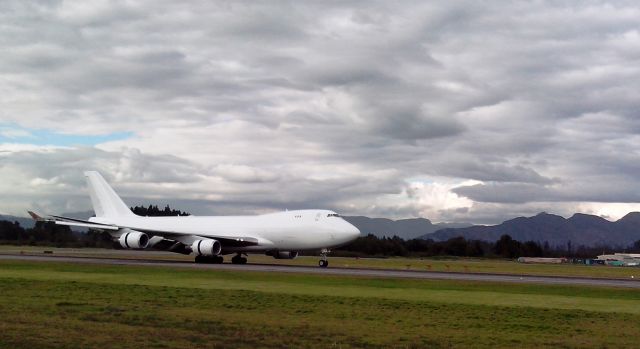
{"x": 403, "y": 228}
{"x": 24, "y": 222}
{"x": 580, "y": 229}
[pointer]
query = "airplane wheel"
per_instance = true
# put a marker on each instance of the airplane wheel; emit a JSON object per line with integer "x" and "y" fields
{"x": 238, "y": 259}
{"x": 209, "y": 260}
{"x": 323, "y": 264}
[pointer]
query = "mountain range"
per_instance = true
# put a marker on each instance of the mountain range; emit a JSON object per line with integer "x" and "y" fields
{"x": 579, "y": 229}
{"x": 404, "y": 228}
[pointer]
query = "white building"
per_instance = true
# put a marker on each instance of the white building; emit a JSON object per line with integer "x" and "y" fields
{"x": 626, "y": 259}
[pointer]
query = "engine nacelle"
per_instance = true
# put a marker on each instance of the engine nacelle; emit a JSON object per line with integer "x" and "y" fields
{"x": 207, "y": 248}
{"x": 134, "y": 239}
{"x": 284, "y": 254}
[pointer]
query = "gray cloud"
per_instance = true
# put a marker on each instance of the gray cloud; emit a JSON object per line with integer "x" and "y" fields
{"x": 506, "y": 193}
{"x": 336, "y": 105}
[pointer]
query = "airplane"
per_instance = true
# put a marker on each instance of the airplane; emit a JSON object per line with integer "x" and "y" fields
{"x": 282, "y": 235}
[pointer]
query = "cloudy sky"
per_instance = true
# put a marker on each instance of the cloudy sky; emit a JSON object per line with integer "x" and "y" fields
{"x": 454, "y": 111}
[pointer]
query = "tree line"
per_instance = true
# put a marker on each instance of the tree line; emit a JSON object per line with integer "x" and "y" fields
{"x": 505, "y": 247}
{"x": 155, "y": 211}
{"x": 51, "y": 234}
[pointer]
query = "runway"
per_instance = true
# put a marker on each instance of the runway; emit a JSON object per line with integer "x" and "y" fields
{"x": 381, "y": 273}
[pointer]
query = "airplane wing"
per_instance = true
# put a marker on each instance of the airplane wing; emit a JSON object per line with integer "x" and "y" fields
{"x": 72, "y": 222}
{"x": 166, "y": 236}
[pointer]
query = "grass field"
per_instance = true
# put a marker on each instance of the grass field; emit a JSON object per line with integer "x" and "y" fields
{"x": 53, "y": 305}
{"x": 469, "y": 265}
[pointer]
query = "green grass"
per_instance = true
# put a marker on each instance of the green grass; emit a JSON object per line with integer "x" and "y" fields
{"x": 469, "y": 265}
{"x": 52, "y": 305}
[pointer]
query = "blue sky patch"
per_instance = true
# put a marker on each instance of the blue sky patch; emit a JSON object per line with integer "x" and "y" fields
{"x": 16, "y": 134}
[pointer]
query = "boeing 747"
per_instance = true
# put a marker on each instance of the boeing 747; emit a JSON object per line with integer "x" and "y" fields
{"x": 282, "y": 235}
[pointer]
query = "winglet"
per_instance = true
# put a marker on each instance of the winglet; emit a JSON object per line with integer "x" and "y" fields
{"x": 35, "y": 216}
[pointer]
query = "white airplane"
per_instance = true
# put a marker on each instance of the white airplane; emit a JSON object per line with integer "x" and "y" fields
{"x": 281, "y": 235}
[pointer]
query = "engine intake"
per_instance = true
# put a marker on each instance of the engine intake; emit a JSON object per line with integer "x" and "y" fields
{"x": 208, "y": 248}
{"x": 134, "y": 239}
{"x": 284, "y": 254}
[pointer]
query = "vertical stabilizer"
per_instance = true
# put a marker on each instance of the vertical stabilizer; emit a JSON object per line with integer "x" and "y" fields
{"x": 106, "y": 203}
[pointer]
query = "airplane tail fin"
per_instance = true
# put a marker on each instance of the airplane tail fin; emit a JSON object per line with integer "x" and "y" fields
{"x": 106, "y": 203}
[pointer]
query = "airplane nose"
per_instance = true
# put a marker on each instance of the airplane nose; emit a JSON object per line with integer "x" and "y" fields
{"x": 352, "y": 231}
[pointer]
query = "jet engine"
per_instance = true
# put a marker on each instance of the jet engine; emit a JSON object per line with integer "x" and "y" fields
{"x": 208, "y": 247}
{"x": 133, "y": 239}
{"x": 284, "y": 254}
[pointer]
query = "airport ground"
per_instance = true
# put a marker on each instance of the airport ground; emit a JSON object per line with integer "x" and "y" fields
{"x": 453, "y": 264}
{"x": 53, "y": 304}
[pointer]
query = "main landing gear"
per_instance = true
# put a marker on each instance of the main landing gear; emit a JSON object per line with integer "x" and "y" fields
{"x": 238, "y": 259}
{"x": 210, "y": 260}
{"x": 324, "y": 262}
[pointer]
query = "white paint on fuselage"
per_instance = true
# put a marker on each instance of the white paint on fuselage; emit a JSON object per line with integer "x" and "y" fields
{"x": 296, "y": 230}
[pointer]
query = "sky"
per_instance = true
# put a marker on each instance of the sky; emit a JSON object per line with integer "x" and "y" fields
{"x": 460, "y": 111}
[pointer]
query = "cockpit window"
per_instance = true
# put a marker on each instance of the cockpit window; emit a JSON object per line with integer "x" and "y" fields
{"x": 333, "y": 215}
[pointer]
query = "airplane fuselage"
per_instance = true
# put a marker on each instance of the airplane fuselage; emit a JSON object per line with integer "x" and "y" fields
{"x": 296, "y": 230}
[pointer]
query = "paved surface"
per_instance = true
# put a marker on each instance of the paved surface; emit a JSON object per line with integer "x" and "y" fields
{"x": 552, "y": 280}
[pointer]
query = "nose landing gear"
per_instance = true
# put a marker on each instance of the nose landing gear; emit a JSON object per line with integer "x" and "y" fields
{"x": 324, "y": 262}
